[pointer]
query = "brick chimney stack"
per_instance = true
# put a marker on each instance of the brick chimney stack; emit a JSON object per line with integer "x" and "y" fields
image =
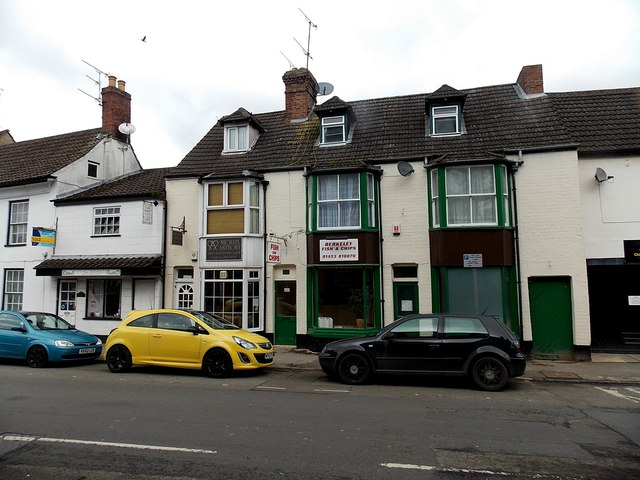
{"x": 116, "y": 108}
{"x": 300, "y": 93}
{"x": 530, "y": 79}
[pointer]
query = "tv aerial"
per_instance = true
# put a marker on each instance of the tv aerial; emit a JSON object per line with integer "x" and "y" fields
{"x": 307, "y": 51}
{"x": 98, "y": 82}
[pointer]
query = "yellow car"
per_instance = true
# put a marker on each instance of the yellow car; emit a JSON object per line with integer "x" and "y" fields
{"x": 185, "y": 339}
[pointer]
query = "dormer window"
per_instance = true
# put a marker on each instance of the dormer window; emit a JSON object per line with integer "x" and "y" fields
{"x": 445, "y": 120}
{"x": 333, "y": 129}
{"x": 236, "y": 139}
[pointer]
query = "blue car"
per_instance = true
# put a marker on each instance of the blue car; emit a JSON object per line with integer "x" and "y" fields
{"x": 40, "y": 338}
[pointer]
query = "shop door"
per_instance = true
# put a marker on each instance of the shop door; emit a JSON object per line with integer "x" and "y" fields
{"x": 405, "y": 299}
{"x": 551, "y": 317}
{"x": 285, "y": 324}
{"x": 67, "y": 300}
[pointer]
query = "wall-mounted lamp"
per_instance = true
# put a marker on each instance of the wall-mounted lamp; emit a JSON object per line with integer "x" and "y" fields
{"x": 80, "y": 295}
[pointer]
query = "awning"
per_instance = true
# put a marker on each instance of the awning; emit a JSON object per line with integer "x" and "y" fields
{"x": 98, "y": 266}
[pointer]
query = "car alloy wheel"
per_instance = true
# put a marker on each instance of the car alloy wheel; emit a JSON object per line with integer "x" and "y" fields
{"x": 37, "y": 357}
{"x": 490, "y": 374}
{"x": 354, "y": 369}
{"x": 119, "y": 359}
{"x": 218, "y": 364}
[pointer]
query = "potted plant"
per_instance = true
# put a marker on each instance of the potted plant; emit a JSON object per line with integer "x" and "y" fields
{"x": 358, "y": 298}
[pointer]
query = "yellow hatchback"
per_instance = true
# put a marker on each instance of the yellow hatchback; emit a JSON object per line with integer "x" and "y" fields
{"x": 185, "y": 339}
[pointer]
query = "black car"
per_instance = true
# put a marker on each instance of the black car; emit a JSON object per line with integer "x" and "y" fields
{"x": 479, "y": 346}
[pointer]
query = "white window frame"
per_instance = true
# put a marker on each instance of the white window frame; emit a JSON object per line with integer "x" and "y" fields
{"x": 226, "y": 284}
{"x": 445, "y": 112}
{"x": 106, "y": 221}
{"x": 232, "y": 138}
{"x": 251, "y": 205}
{"x": 333, "y": 123}
{"x": 435, "y": 198}
{"x": 18, "y": 218}
{"x": 471, "y": 196}
{"x": 97, "y": 168}
{"x": 13, "y": 289}
{"x": 339, "y": 200}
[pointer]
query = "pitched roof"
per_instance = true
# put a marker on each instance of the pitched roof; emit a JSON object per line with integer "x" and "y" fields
{"x": 35, "y": 160}
{"x": 388, "y": 129}
{"x": 603, "y": 121}
{"x": 140, "y": 184}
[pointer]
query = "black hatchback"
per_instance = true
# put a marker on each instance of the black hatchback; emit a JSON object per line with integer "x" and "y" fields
{"x": 478, "y": 346}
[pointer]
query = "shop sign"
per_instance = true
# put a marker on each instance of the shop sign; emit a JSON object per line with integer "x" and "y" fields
{"x": 224, "y": 249}
{"x": 472, "y": 260}
{"x": 43, "y": 237}
{"x": 339, "y": 250}
{"x": 106, "y": 272}
{"x": 632, "y": 251}
{"x": 273, "y": 252}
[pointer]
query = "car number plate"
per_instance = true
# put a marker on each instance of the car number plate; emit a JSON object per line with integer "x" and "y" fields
{"x": 87, "y": 350}
{"x": 268, "y": 356}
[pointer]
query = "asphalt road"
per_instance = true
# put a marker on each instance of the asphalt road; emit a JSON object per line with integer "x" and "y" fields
{"x": 85, "y": 422}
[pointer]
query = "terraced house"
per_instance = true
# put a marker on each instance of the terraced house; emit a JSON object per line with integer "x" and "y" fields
{"x": 329, "y": 220}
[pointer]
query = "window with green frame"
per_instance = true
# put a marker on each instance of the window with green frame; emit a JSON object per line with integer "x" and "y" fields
{"x": 342, "y": 201}
{"x": 469, "y": 195}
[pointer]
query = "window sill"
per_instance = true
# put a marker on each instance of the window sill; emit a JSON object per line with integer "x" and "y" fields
{"x": 106, "y": 236}
{"x": 112, "y": 319}
{"x": 16, "y": 245}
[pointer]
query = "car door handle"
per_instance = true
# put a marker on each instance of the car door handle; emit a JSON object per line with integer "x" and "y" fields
{"x": 156, "y": 335}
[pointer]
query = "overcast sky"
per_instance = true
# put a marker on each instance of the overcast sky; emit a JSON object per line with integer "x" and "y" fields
{"x": 204, "y": 59}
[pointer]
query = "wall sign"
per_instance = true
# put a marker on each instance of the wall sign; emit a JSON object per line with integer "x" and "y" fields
{"x": 273, "y": 252}
{"x": 106, "y": 272}
{"x": 339, "y": 250}
{"x": 472, "y": 260}
{"x": 632, "y": 251}
{"x": 43, "y": 237}
{"x": 224, "y": 249}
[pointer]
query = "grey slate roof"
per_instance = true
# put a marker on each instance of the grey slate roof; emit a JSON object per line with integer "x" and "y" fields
{"x": 35, "y": 160}
{"x": 496, "y": 118}
{"x": 602, "y": 121}
{"x": 141, "y": 184}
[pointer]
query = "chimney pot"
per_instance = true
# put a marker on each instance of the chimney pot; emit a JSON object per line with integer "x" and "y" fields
{"x": 112, "y": 80}
{"x": 121, "y": 84}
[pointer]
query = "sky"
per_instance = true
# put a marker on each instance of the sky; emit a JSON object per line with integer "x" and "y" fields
{"x": 202, "y": 60}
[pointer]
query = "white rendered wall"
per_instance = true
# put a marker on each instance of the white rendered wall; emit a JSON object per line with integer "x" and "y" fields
{"x": 610, "y": 209}
{"x": 551, "y": 232}
{"x": 404, "y": 201}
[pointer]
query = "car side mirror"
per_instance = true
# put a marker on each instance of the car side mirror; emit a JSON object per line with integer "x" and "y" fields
{"x": 19, "y": 328}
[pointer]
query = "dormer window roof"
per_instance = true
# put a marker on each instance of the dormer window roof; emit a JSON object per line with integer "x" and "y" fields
{"x": 241, "y": 131}
{"x": 444, "y": 111}
{"x": 336, "y": 116}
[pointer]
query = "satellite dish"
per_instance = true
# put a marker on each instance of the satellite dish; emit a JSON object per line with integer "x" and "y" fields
{"x": 324, "y": 88}
{"x": 126, "y": 128}
{"x": 601, "y": 175}
{"x": 405, "y": 169}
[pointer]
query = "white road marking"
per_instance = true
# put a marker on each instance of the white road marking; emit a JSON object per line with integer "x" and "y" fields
{"x": 613, "y": 391}
{"x": 25, "y": 438}
{"x": 326, "y": 390}
{"x": 260, "y": 387}
{"x": 408, "y": 466}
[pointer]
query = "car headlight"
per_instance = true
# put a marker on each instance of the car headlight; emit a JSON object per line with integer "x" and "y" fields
{"x": 99, "y": 342}
{"x": 63, "y": 343}
{"x": 246, "y": 344}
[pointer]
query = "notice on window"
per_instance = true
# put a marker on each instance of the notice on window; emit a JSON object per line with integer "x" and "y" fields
{"x": 339, "y": 250}
{"x": 634, "y": 300}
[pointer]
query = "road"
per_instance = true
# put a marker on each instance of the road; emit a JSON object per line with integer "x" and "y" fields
{"x": 85, "y": 422}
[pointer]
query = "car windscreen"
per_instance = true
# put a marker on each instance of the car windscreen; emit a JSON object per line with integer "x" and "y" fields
{"x": 47, "y": 321}
{"x": 215, "y": 322}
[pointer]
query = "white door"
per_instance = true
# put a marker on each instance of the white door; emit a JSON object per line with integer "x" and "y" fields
{"x": 145, "y": 294}
{"x": 67, "y": 300}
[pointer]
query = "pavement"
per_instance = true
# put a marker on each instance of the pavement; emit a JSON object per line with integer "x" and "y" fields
{"x": 604, "y": 368}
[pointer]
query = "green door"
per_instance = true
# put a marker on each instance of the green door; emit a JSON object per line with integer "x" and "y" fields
{"x": 551, "y": 317}
{"x": 285, "y": 325}
{"x": 405, "y": 299}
